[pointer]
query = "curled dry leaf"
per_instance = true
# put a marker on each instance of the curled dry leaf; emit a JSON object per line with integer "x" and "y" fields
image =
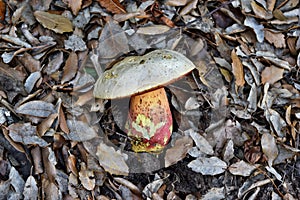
{"x": 237, "y": 69}
{"x": 56, "y": 23}
{"x": 111, "y": 160}
{"x": 70, "y": 68}
{"x": 36, "y": 108}
{"x": 208, "y": 166}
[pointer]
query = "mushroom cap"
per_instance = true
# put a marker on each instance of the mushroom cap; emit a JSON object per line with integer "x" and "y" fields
{"x": 136, "y": 74}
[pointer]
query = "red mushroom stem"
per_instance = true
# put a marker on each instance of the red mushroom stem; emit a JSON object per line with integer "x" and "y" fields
{"x": 149, "y": 121}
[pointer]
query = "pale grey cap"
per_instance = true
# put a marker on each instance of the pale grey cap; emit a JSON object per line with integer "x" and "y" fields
{"x": 136, "y": 74}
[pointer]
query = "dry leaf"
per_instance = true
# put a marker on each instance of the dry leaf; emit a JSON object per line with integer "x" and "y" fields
{"x": 237, "y": 69}
{"x": 275, "y": 38}
{"x": 62, "y": 119}
{"x": 30, "y": 190}
{"x": 257, "y": 28}
{"x": 49, "y": 161}
{"x": 214, "y": 193}
{"x": 201, "y": 143}
{"x": 70, "y": 68}
{"x": 45, "y": 125}
{"x": 113, "y": 41}
{"x": 112, "y": 160}
{"x": 113, "y": 6}
{"x": 269, "y": 147}
{"x": 36, "y": 108}
{"x": 79, "y": 131}
{"x": 31, "y": 81}
{"x": 179, "y": 151}
{"x": 86, "y": 177}
{"x": 271, "y": 74}
{"x": 176, "y": 2}
{"x": 208, "y": 166}
{"x": 74, "y": 5}
{"x": 260, "y": 11}
{"x": 241, "y": 168}
{"x": 26, "y": 134}
{"x": 56, "y": 23}
{"x": 2, "y": 10}
{"x": 153, "y": 29}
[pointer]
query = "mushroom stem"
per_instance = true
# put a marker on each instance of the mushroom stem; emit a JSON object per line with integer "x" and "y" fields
{"x": 149, "y": 121}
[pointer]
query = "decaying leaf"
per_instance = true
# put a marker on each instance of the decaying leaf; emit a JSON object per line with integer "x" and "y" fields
{"x": 26, "y": 134}
{"x": 241, "y": 168}
{"x": 237, "y": 69}
{"x": 271, "y": 74}
{"x": 208, "y": 166}
{"x": 111, "y": 160}
{"x": 257, "y": 28}
{"x": 201, "y": 143}
{"x": 70, "y": 68}
{"x": 2, "y": 10}
{"x": 36, "y": 108}
{"x": 275, "y": 38}
{"x": 79, "y": 131}
{"x": 153, "y": 30}
{"x": 269, "y": 147}
{"x": 49, "y": 161}
{"x": 30, "y": 190}
{"x": 57, "y": 23}
{"x": 179, "y": 151}
{"x": 113, "y": 6}
{"x": 74, "y": 5}
{"x": 86, "y": 177}
{"x": 214, "y": 193}
{"x": 112, "y": 41}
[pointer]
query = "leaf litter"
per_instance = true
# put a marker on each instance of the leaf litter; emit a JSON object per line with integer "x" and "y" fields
{"x": 236, "y": 117}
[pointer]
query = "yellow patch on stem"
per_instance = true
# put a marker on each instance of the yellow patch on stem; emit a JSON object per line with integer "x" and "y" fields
{"x": 149, "y": 121}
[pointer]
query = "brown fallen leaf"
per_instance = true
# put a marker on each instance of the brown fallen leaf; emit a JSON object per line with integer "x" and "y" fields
{"x": 179, "y": 151}
{"x": 237, "y": 69}
{"x": 260, "y": 11}
{"x": 56, "y": 23}
{"x": 74, "y": 5}
{"x": 2, "y": 10}
{"x": 111, "y": 160}
{"x": 113, "y": 6}
{"x": 271, "y": 74}
{"x": 45, "y": 125}
{"x": 275, "y": 38}
{"x": 86, "y": 177}
{"x": 70, "y": 68}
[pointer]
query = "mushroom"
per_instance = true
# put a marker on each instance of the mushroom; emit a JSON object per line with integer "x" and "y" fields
{"x": 143, "y": 78}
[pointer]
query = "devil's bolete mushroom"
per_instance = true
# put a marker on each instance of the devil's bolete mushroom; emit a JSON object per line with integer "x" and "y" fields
{"x": 143, "y": 77}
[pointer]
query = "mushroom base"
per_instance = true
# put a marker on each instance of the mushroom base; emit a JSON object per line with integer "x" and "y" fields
{"x": 149, "y": 122}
